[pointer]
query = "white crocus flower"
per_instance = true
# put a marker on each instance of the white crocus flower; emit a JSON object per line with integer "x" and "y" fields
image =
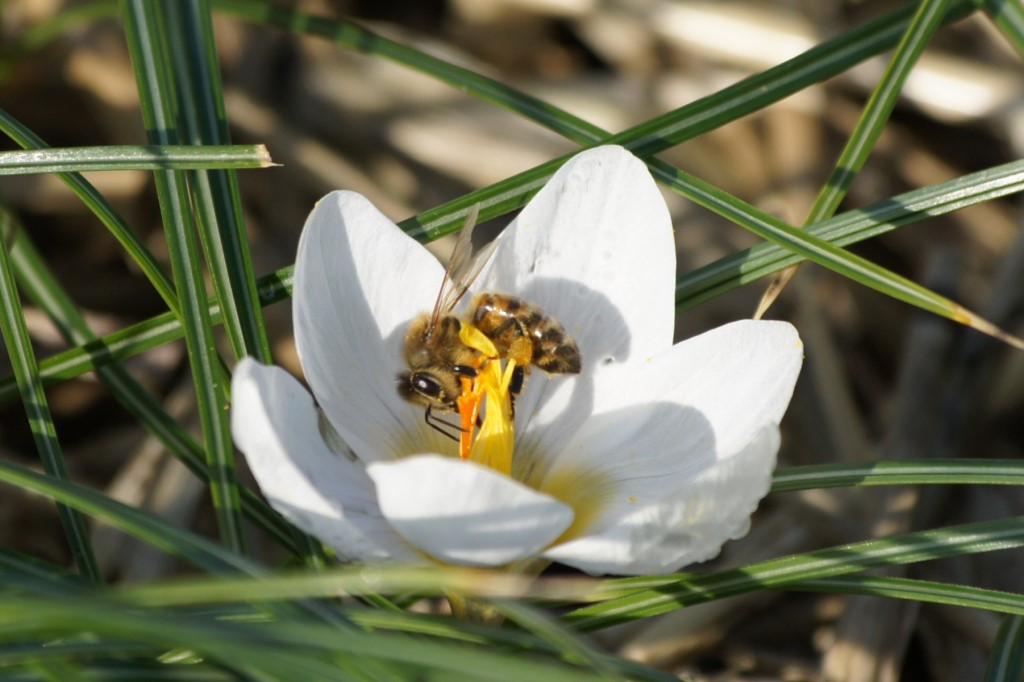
{"x": 648, "y": 460}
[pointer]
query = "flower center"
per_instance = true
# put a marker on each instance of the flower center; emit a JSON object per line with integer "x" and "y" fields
{"x": 493, "y": 443}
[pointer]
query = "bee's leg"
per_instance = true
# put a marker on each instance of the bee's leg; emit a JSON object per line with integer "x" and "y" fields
{"x": 510, "y": 324}
{"x": 515, "y": 386}
{"x": 441, "y": 426}
{"x": 512, "y": 337}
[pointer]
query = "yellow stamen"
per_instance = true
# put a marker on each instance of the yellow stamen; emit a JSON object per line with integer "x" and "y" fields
{"x": 477, "y": 340}
{"x": 494, "y": 443}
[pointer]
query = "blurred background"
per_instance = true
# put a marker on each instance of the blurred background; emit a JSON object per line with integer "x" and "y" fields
{"x": 881, "y": 380}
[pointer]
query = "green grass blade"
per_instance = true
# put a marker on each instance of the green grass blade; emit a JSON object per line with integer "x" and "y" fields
{"x": 133, "y": 157}
{"x": 925, "y": 22}
{"x": 1006, "y": 662}
{"x": 900, "y": 472}
{"x": 854, "y": 226}
{"x": 27, "y": 572}
{"x": 197, "y": 550}
{"x": 137, "y": 338}
{"x": 113, "y": 347}
{"x": 751, "y": 94}
{"x": 700, "y": 285}
{"x": 1008, "y": 16}
{"x": 669, "y": 129}
{"x": 109, "y": 662}
{"x": 660, "y": 595}
{"x": 96, "y": 202}
{"x": 108, "y": 349}
{"x": 818, "y": 63}
{"x": 283, "y": 650}
{"x": 147, "y": 46}
{"x": 823, "y": 253}
{"x": 547, "y": 629}
{"x": 225, "y": 643}
{"x": 448, "y": 628}
{"x": 356, "y": 37}
{"x": 218, "y": 204}
{"x": 918, "y": 590}
{"x": 869, "y": 127}
{"x": 33, "y": 398}
{"x": 502, "y": 196}
{"x": 42, "y": 287}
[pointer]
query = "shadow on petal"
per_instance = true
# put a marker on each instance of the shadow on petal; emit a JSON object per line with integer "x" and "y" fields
{"x": 628, "y": 458}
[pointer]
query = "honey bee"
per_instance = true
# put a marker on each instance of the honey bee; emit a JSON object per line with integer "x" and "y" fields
{"x": 439, "y": 360}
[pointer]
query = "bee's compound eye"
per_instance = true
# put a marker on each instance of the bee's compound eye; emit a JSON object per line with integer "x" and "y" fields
{"x": 425, "y": 385}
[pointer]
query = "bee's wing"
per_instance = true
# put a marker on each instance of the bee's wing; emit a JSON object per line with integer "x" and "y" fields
{"x": 463, "y": 268}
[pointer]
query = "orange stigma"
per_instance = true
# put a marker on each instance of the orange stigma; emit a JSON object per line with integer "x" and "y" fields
{"x": 469, "y": 411}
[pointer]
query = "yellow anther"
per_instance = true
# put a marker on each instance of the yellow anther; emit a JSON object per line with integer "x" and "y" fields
{"x": 493, "y": 444}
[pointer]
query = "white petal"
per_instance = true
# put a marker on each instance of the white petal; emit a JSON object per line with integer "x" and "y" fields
{"x": 700, "y": 401}
{"x": 662, "y": 425}
{"x": 359, "y": 280}
{"x": 689, "y": 526}
{"x": 275, "y": 424}
{"x": 594, "y": 248}
{"x": 460, "y": 512}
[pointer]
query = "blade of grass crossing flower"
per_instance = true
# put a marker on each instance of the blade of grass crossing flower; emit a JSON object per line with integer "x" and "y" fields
{"x": 869, "y": 128}
{"x": 1006, "y": 662}
{"x": 42, "y": 287}
{"x": 33, "y": 398}
{"x": 144, "y": 31}
{"x": 660, "y": 595}
{"x": 218, "y": 204}
{"x": 505, "y": 197}
{"x": 814, "y": 65}
{"x": 674, "y": 127}
{"x": 823, "y": 253}
{"x": 694, "y": 287}
{"x": 900, "y": 472}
